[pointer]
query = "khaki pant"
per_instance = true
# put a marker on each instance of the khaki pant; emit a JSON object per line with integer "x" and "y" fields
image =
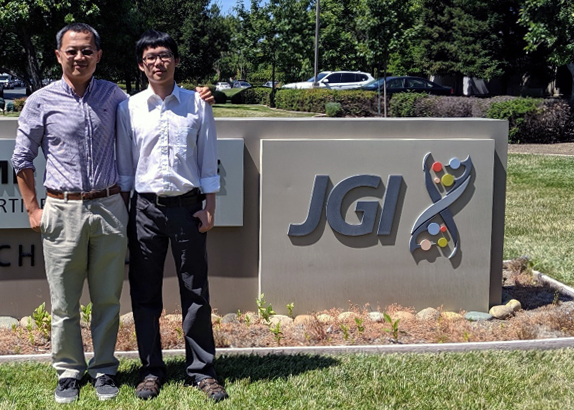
{"x": 84, "y": 240}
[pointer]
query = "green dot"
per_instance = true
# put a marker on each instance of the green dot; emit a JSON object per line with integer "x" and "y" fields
{"x": 447, "y": 180}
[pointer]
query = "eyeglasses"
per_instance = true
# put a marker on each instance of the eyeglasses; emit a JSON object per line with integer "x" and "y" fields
{"x": 71, "y": 53}
{"x": 151, "y": 58}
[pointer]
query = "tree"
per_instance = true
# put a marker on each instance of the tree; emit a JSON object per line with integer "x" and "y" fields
{"x": 386, "y": 25}
{"x": 550, "y": 24}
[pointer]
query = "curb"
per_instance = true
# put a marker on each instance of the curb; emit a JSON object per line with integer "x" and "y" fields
{"x": 539, "y": 344}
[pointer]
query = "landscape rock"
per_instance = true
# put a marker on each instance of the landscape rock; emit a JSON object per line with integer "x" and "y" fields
{"x": 6, "y": 322}
{"x": 514, "y": 304}
{"x": 281, "y": 319}
{"x": 376, "y": 317}
{"x": 303, "y": 319}
{"x": 27, "y": 319}
{"x": 403, "y": 315}
{"x": 346, "y": 316}
{"x": 127, "y": 319}
{"x": 451, "y": 316}
{"x": 428, "y": 314}
{"x": 325, "y": 318}
{"x": 474, "y": 316}
{"x": 501, "y": 311}
{"x": 230, "y": 318}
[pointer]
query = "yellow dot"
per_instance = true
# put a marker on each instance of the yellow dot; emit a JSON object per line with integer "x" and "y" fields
{"x": 447, "y": 180}
{"x": 442, "y": 242}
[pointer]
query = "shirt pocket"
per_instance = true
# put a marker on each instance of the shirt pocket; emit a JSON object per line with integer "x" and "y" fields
{"x": 185, "y": 141}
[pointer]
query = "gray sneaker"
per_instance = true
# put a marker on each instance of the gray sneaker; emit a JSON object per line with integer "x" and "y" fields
{"x": 68, "y": 390}
{"x": 106, "y": 388}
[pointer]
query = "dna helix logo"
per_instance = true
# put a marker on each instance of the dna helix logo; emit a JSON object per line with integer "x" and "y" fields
{"x": 443, "y": 234}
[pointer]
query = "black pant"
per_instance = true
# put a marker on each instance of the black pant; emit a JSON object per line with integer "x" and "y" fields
{"x": 150, "y": 229}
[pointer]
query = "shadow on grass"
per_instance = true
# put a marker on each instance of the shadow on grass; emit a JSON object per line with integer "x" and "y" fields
{"x": 233, "y": 368}
{"x": 533, "y": 296}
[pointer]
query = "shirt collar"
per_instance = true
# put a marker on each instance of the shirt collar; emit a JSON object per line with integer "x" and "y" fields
{"x": 153, "y": 96}
{"x": 70, "y": 91}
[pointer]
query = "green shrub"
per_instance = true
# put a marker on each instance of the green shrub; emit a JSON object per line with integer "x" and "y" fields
{"x": 19, "y": 104}
{"x": 404, "y": 104}
{"x": 515, "y": 111}
{"x": 257, "y": 95}
{"x": 334, "y": 109}
{"x": 220, "y": 97}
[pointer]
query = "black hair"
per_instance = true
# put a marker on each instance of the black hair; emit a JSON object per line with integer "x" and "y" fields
{"x": 153, "y": 38}
{"x": 78, "y": 28}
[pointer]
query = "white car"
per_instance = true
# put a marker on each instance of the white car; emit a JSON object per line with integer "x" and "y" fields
{"x": 336, "y": 80}
{"x": 222, "y": 86}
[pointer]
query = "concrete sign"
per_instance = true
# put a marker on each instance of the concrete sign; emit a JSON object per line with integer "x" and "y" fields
{"x": 229, "y": 201}
{"x": 422, "y": 238}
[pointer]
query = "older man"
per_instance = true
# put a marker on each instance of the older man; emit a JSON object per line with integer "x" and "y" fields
{"x": 83, "y": 223}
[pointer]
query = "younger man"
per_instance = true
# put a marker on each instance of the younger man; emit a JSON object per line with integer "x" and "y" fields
{"x": 167, "y": 152}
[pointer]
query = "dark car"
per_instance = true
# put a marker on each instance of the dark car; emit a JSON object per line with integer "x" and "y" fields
{"x": 413, "y": 84}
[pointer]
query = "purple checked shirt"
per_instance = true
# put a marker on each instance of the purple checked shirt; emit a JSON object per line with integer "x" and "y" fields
{"x": 77, "y": 135}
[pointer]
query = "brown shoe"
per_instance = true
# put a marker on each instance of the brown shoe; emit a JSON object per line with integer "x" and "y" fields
{"x": 148, "y": 388}
{"x": 213, "y": 389}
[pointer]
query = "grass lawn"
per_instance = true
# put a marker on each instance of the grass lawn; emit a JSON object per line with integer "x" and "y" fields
{"x": 252, "y": 110}
{"x": 458, "y": 381}
{"x": 540, "y": 213}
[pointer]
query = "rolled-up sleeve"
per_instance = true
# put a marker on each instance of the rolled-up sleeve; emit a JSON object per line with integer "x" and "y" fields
{"x": 29, "y": 136}
{"x": 207, "y": 151}
{"x": 124, "y": 148}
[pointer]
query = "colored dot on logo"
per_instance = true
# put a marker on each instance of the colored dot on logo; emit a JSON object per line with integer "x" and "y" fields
{"x": 454, "y": 163}
{"x": 433, "y": 228}
{"x": 443, "y": 228}
{"x": 442, "y": 242}
{"x": 447, "y": 180}
{"x": 425, "y": 244}
{"x": 436, "y": 180}
{"x": 437, "y": 166}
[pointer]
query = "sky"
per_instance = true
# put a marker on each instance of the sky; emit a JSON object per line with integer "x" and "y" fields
{"x": 227, "y": 5}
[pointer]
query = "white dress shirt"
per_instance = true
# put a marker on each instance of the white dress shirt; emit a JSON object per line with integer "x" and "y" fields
{"x": 166, "y": 147}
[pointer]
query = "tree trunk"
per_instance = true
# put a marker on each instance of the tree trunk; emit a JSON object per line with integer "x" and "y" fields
{"x": 33, "y": 65}
{"x": 571, "y": 68}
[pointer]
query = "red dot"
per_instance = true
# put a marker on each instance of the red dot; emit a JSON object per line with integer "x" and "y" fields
{"x": 437, "y": 167}
{"x": 443, "y": 228}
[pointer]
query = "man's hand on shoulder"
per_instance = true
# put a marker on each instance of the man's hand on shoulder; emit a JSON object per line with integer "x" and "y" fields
{"x": 205, "y": 95}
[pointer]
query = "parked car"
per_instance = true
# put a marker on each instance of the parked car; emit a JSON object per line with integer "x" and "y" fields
{"x": 241, "y": 84}
{"x": 336, "y": 80}
{"x": 408, "y": 83}
{"x": 269, "y": 84}
{"x": 223, "y": 85}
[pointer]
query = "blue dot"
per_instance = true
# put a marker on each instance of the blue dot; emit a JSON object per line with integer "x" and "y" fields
{"x": 433, "y": 228}
{"x": 454, "y": 163}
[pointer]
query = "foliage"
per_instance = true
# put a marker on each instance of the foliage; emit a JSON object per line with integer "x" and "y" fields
{"x": 265, "y": 311}
{"x": 403, "y": 104}
{"x": 19, "y": 103}
{"x": 290, "y": 307}
{"x": 515, "y": 112}
{"x": 43, "y": 320}
{"x": 277, "y": 333}
{"x": 257, "y": 95}
{"x": 394, "y": 330}
{"x": 86, "y": 312}
{"x": 333, "y": 109}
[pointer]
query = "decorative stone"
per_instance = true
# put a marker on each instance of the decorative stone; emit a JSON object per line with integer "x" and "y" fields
{"x": 376, "y": 317}
{"x": 27, "y": 320}
{"x": 515, "y": 305}
{"x": 474, "y": 316}
{"x": 215, "y": 319}
{"x": 173, "y": 318}
{"x": 347, "y": 316}
{"x": 127, "y": 319}
{"x": 6, "y": 322}
{"x": 451, "y": 316}
{"x": 325, "y": 318}
{"x": 303, "y": 319}
{"x": 230, "y": 318}
{"x": 501, "y": 311}
{"x": 281, "y": 319}
{"x": 403, "y": 315}
{"x": 428, "y": 314}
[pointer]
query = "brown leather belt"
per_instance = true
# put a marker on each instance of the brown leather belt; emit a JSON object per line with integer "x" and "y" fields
{"x": 83, "y": 196}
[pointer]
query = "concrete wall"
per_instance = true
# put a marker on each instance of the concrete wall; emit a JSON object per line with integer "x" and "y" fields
{"x": 234, "y": 251}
